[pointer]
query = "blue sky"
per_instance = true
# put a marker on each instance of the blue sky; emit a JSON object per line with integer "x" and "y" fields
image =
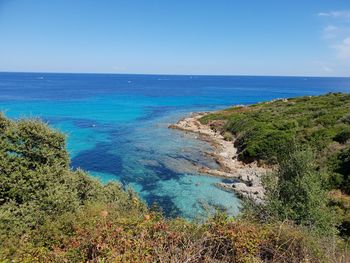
{"x": 226, "y": 37}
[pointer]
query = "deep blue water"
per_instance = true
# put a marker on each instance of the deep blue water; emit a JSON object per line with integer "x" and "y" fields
{"x": 117, "y": 126}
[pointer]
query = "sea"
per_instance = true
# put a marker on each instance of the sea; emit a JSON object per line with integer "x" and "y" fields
{"x": 117, "y": 127}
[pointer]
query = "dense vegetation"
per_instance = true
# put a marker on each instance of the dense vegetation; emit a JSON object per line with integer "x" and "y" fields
{"x": 50, "y": 213}
{"x": 296, "y": 192}
{"x": 265, "y": 130}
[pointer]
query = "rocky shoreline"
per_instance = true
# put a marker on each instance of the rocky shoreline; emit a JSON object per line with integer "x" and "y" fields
{"x": 247, "y": 176}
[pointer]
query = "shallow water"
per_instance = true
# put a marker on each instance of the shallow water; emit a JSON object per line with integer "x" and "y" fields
{"x": 117, "y": 126}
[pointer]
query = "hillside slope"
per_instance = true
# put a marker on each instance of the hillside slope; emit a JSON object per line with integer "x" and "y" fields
{"x": 263, "y": 131}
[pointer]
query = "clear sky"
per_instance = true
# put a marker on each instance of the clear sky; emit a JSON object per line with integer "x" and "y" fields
{"x": 228, "y": 37}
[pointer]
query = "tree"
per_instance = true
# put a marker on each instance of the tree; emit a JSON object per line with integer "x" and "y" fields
{"x": 296, "y": 192}
{"x": 36, "y": 182}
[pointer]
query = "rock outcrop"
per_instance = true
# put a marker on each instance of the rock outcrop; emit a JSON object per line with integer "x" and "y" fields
{"x": 247, "y": 177}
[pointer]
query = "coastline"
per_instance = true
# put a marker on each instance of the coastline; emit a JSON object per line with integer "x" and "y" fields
{"x": 248, "y": 176}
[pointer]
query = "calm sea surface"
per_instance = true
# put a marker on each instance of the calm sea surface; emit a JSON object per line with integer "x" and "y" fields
{"x": 117, "y": 126}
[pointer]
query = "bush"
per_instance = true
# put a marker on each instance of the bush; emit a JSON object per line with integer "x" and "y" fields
{"x": 263, "y": 145}
{"x": 296, "y": 192}
{"x": 343, "y": 136}
{"x": 37, "y": 185}
{"x": 228, "y": 136}
{"x": 342, "y": 167}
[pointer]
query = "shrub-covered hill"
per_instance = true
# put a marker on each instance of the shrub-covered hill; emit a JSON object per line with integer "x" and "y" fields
{"x": 265, "y": 130}
{"x": 50, "y": 213}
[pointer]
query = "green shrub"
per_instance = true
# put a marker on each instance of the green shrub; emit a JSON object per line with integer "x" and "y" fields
{"x": 228, "y": 136}
{"x": 343, "y": 136}
{"x": 37, "y": 185}
{"x": 343, "y": 170}
{"x": 297, "y": 193}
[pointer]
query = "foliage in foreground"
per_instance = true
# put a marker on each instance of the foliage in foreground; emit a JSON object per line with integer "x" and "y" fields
{"x": 49, "y": 213}
{"x": 296, "y": 192}
{"x": 100, "y": 237}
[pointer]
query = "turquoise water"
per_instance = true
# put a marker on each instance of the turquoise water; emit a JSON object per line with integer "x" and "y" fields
{"x": 116, "y": 126}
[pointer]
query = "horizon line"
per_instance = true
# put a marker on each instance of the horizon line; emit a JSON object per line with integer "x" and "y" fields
{"x": 173, "y": 74}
